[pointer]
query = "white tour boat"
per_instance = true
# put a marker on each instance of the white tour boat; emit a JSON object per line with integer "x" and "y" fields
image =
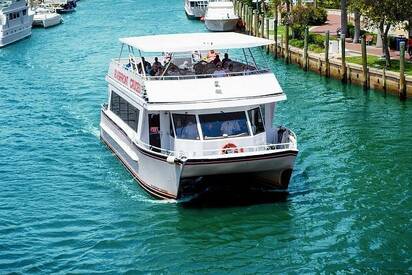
{"x": 46, "y": 17}
{"x": 220, "y": 16}
{"x": 182, "y": 121}
{"x": 15, "y": 21}
{"x": 195, "y": 9}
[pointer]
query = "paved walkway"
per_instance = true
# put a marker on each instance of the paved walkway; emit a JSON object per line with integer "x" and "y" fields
{"x": 333, "y": 24}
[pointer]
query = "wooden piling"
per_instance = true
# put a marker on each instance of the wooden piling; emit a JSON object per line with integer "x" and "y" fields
{"x": 250, "y": 21}
{"x": 275, "y": 33}
{"x": 364, "y": 63}
{"x": 327, "y": 64}
{"x": 286, "y": 52}
{"x": 255, "y": 23}
{"x": 402, "y": 86}
{"x": 343, "y": 56}
{"x": 262, "y": 26}
{"x": 305, "y": 50}
{"x": 267, "y": 33}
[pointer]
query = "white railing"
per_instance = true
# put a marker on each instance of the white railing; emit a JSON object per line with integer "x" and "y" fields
{"x": 222, "y": 152}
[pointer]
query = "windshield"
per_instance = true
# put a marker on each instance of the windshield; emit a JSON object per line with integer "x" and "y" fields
{"x": 224, "y": 125}
{"x": 185, "y": 126}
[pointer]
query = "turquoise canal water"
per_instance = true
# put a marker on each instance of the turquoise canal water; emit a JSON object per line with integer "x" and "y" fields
{"x": 68, "y": 205}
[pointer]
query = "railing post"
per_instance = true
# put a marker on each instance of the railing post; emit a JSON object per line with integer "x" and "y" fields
{"x": 402, "y": 86}
{"x": 327, "y": 64}
{"x": 344, "y": 73}
{"x": 364, "y": 63}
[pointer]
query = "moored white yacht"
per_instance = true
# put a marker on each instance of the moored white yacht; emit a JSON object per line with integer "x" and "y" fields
{"x": 46, "y": 17}
{"x": 195, "y": 9}
{"x": 220, "y": 16}
{"x": 15, "y": 21}
{"x": 181, "y": 123}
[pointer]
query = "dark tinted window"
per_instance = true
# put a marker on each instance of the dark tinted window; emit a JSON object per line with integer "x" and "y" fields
{"x": 224, "y": 124}
{"x": 123, "y": 109}
{"x": 185, "y": 126}
{"x": 256, "y": 121}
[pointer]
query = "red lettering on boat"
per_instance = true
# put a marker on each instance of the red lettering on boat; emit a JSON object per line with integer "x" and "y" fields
{"x": 135, "y": 86}
{"x": 124, "y": 79}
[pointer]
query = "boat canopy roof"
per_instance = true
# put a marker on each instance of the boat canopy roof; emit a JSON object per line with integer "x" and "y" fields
{"x": 187, "y": 42}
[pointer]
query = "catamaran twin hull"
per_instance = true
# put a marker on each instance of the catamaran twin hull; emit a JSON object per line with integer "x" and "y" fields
{"x": 175, "y": 179}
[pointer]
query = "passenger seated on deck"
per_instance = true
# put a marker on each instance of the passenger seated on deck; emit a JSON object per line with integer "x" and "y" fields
{"x": 146, "y": 65}
{"x": 219, "y": 72}
{"x": 211, "y": 55}
{"x": 217, "y": 60}
{"x": 155, "y": 69}
{"x": 156, "y": 62}
{"x": 226, "y": 60}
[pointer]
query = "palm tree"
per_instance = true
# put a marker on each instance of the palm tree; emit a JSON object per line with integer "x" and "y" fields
{"x": 356, "y": 36}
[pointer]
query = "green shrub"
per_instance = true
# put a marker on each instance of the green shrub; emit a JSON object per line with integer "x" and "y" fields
{"x": 317, "y": 16}
{"x": 317, "y": 39}
{"x": 296, "y": 43}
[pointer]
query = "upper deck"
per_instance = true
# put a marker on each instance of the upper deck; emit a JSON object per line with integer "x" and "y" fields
{"x": 183, "y": 72}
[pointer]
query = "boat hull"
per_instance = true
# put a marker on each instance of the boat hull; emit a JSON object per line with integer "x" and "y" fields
{"x": 47, "y": 21}
{"x": 194, "y": 13}
{"x": 20, "y": 33}
{"x": 221, "y": 25}
{"x": 269, "y": 171}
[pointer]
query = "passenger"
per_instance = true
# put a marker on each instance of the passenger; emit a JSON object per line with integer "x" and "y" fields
{"x": 211, "y": 55}
{"x": 210, "y": 130}
{"x": 217, "y": 60}
{"x": 189, "y": 131}
{"x": 226, "y": 60}
{"x": 156, "y": 62}
{"x": 146, "y": 65}
{"x": 219, "y": 71}
{"x": 154, "y": 69}
{"x": 230, "y": 127}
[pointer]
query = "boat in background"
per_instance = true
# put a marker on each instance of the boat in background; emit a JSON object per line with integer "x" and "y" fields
{"x": 188, "y": 124}
{"x": 220, "y": 16}
{"x": 46, "y": 17}
{"x": 62, "y": 6}
{"x": 15, "y": 21}
{"x": 195, "y": 9}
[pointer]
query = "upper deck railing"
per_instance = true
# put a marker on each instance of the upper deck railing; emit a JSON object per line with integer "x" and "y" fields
{"x": 182, "y": 74}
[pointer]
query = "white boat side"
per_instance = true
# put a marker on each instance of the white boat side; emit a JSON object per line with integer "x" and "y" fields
{"x": 220, "y": 16}
{"x": 164, "y": 107}
{"x": 195, "y": 9}
{"x": 15, "y": 21}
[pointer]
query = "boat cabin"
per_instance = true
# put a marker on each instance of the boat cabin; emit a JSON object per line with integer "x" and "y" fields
{"x": 178, "y": 95}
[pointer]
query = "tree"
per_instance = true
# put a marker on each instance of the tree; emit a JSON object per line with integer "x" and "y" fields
{"x": 357, "y": 34}
{"x": 384, "y": 14}
{"x": 344, "y": 17}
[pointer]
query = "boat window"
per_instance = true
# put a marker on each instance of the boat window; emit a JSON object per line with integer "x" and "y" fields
{"x": 24, "y": 12}
{"x": 192, "y": 4}
{"x": 224, "y": 125}
{"x": 256, "y": 121}
{"x": 185, "y": 126}
{"x": 123, "y": 109}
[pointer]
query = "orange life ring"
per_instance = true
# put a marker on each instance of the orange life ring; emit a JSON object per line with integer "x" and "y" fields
{"x": 230, "y": 148}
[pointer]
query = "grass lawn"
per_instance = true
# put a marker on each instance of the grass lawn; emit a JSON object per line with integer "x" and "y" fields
{"x": 281, "y": 31}
{"x": 377, "y": 62}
